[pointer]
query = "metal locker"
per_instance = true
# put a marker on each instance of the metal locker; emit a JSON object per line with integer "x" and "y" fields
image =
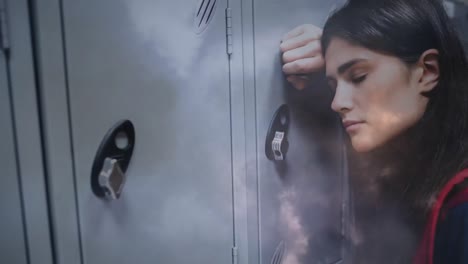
{"x": 24, "y": 228}
{"x": 200, "y": 81}
{"x": 301, "y": 210}
{"x": 458, "y": 12}
{"x": 12, "y": 240}
{"x": 162, "y": 65}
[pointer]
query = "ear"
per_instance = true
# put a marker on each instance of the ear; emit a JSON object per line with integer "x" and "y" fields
{"x": 428, "y": 70}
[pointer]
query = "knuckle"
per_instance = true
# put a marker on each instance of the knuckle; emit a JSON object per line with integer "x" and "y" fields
{"x": 285, "y": 57}
{"x": 302, "y": 26}
{"x": 314, "y": 33}
{"x": 311, "y": 27}
{"x": 311, "y": 46}
{"x": 315, "y": 28}
{"x": 311, "y": 64}
{"x": 321, "y": 60}
{"x": 282, "y": 47}
{"x": 310, "y": 38}
{"x": 300, "y": 66}
{"x": 291, "y": 55}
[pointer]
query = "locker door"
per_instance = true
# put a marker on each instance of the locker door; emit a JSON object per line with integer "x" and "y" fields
{"x": 24, "y": 226}
{"x": 163, "y": 66}
{"x": 301, "y": 198}
{"x": 12, "y": 243}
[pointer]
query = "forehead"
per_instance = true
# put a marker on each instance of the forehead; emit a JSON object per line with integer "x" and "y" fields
{"x": 340, "y": 51}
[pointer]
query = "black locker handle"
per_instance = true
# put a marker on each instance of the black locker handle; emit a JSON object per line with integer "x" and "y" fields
{"x": 276, "y": 143}
{"x": 111, "y": 161}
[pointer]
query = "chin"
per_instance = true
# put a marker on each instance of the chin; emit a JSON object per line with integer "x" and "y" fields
{"x": 362, "y": 149}
{"x": 362, "y": 145}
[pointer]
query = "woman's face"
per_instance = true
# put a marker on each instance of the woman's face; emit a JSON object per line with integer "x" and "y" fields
{"x": 378, "y": 91}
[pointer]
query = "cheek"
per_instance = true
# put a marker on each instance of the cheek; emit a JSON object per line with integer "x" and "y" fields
{"x": 399, "y": 108}
{"x": 388, "y": 102}
{"x": 370, "y": 136}
{"x": 383, "y": 124}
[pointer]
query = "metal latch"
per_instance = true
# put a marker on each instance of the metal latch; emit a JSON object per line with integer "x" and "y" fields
{"x": 112, "y": 160}
{"x": 278, "y": 146}
{"x": 111, "y": 178}
{"x": 276, "y": 143}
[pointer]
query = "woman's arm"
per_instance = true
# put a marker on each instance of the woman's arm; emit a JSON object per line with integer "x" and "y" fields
{"x": 302, "y": 54}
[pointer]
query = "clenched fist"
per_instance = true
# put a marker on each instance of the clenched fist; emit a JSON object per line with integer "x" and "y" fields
{"x": 302, "y": 54}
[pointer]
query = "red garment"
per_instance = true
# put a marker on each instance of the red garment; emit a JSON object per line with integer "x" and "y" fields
{"x": 425, "y": 252}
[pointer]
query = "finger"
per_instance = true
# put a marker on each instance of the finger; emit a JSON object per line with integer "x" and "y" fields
{"x": 293, "y": 33}
{"x": 299, "y": 41}
{"x": 307, "y": 65}
{"x": 303, "y": 76}
{"x": 310, "y": 50}
{"x": 305, "y": 28}
{"x": 297, "y": 82}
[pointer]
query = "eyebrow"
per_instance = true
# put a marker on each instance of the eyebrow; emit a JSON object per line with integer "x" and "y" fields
{"x": 345, "y": 66}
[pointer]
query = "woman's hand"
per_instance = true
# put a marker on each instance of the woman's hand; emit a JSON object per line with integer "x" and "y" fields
{"x": 302, "y": 54}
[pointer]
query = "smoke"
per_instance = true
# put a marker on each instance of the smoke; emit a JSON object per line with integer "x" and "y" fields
{"x": 309, "y": 221}
{"x": 177, "y": 44}
{"x": 297, "y": 239}
{"x": 186, "y": 55}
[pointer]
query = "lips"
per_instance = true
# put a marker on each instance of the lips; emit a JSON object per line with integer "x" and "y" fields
{"x": 348, "y": 123}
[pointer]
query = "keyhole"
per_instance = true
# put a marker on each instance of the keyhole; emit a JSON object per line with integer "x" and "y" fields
{"x": 283, "y": 119}
{"x": 121, "y": 140}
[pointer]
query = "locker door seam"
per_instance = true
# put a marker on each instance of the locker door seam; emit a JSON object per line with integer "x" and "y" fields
{"x": 42, "y": 138}
{"x": 17, "y": 158}
{"x": 70, "y": 126}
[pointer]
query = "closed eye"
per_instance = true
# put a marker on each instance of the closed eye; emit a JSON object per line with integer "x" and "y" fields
{"x": 359, "y": 79}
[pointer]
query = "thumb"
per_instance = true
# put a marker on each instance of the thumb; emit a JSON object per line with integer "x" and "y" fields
{"x": 299, "y": 82}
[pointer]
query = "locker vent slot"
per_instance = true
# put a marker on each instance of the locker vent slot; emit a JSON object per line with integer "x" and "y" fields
{"x": 279, "y": 254}
{"x": 203, "y": 14}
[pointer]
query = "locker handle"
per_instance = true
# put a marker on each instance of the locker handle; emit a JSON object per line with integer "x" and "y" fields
{"x": 276, "y": 143}
{"x": 112, "y": 160}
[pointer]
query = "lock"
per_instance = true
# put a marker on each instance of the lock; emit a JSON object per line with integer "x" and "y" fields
{"x": 276, "y": 143}
{"x": 111, "y": 178}
{"x": 112, "y": 160}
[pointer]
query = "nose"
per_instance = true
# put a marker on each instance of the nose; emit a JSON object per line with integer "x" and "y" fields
{"x": 342, "y": 101}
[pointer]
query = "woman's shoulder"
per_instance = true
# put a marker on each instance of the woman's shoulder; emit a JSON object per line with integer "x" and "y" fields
{"x": 451, "y": 240}
{"x": 445, "y": 238}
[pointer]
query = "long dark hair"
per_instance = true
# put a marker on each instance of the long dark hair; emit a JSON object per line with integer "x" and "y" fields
{"x": 413, "y": 167}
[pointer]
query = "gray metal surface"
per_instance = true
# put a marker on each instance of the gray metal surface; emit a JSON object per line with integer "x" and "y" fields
{"x": 56, "y": 131}
{"x": 27, "y": 134}
{"x": 239, "y": 89}
{"x": 143, "y": 60}
{"x": 12, "y": 242}
{"x": 195, "y": 130}
{"x": 459, "y": 15}
{"x": 244, "y": 130}
{"x": 300, "y": 201}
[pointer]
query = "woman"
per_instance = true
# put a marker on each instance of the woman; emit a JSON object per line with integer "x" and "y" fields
{"x": 399, "y": 76}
